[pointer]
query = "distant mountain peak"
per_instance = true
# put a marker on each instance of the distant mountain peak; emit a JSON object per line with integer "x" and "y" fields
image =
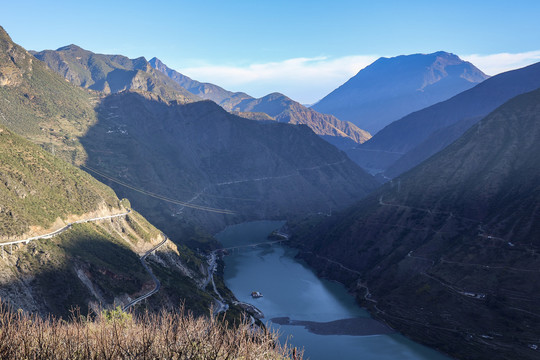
{"x": 413, "y": 138}
{"x": 156, "y": 62}
{"x": 275, "y": 96}
{"x": 418, "y": 62}
{"x": 71, "y": 47}
{"x": 391, "y": 88}
{"x": 437, "y": 54}
{"x": 4, "y": 35}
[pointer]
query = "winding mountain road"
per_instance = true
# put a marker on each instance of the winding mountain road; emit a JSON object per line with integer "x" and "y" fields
{"x": 149, "y": 271}
{"x": 60, "y": 231}
{"x": 68, "y": 226}
{"x": 220, "y": 304}
{"x": 296, "y": 173}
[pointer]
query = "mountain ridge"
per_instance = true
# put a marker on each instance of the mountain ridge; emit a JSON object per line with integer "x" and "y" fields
{"x": 276, "y": 105}
{"x": 206, "y": 91}
{"x": 110, "y": 73}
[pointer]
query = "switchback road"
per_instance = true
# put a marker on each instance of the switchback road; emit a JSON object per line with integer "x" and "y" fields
{"x": 149, "y": 271}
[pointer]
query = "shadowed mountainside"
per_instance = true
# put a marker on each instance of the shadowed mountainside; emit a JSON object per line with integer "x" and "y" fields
{"x": 449, "y": 250}
{"x": 200, "y": 154}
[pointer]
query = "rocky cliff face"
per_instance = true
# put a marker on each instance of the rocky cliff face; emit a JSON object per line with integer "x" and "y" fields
{"x": 447, "y": 253}
{"x": 18, "y": 62}
{"x": 111, "y": 73}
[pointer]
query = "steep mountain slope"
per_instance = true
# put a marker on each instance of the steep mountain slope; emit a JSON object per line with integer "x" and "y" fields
{"x": 111, "y": 73}
{"x": 288, "y": 111}
{"x": 90, "y": 263}
{"x": 391, "y": 88}
{"x": 194, "y": 153}
{"x": 404, "y": 135}
{"x": 205, "y": 91}
{"x": 39, "y": 193}
{"x": 38, "y": 188}
{"x": 199, "y": 153}
{"x": 433, "y": 144}
{"x": 449, "y": 250}
{"x": 42, "y": 105}
{"x": 277, "y": 106}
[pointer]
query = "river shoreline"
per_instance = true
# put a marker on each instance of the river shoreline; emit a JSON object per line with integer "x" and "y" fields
{"x": 310, "y": 312}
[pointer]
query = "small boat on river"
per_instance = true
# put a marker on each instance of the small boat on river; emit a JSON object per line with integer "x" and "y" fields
{"x": 256, "y": 294}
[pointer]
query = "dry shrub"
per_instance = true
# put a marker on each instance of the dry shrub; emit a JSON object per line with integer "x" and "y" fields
{"x": 115, "y": 335}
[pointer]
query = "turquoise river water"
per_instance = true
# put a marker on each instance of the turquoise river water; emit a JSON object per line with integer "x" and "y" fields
{"x": 291, "y": 289}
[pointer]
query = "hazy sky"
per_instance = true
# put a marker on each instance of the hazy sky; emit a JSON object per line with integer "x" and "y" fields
{"x": 304, "y": 49}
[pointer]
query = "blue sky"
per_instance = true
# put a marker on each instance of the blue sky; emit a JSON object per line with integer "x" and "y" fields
{"x": 304, "y": 49}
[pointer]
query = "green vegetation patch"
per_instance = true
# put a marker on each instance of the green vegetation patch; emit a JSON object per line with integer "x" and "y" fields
{"x": 36, "y": 188}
